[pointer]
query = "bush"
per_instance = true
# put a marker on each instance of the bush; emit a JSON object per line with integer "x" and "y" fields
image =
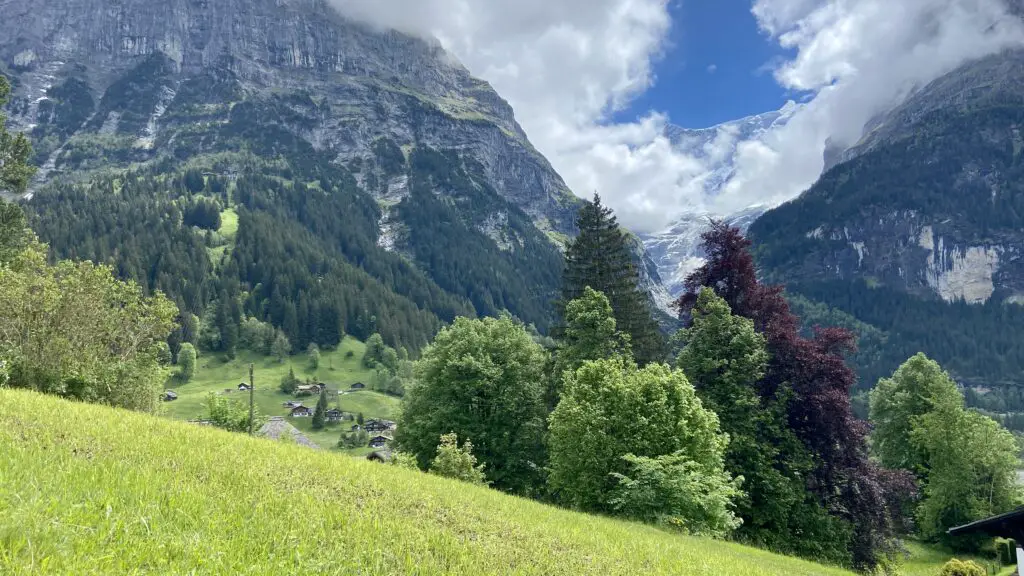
{"x": 455, "y": 462}
{"x": 962, "y": 568}
{"x": 1006, "y": 551}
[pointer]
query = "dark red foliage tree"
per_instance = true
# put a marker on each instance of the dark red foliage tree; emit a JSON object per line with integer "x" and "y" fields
{"x": 845, "y": 481}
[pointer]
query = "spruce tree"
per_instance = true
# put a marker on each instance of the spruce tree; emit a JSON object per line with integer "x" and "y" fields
{"x": 320, "y": 413}
{"x": 599, "y": 258}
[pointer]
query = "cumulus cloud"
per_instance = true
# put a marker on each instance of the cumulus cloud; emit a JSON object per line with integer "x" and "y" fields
{"x": 567, "y": 65}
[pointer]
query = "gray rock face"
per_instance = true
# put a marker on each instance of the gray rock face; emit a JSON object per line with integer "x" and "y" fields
{"x": 367, "y": 84}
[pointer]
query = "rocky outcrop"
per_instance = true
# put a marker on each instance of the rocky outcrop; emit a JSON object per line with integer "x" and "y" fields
{"x": 152, "y": 72}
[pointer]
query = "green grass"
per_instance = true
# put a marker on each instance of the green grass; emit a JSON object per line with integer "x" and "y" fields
{"x": 228, "y": 223}
{"x": 927, "y": 560}
{"x": 339, "y": 372}
{"x": 89, "y": 490}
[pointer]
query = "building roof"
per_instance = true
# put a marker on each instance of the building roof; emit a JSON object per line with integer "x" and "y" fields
{"x": 1010, "y": 524}
{"x": 277, "y": 427}
{"x": 379, "y": 456}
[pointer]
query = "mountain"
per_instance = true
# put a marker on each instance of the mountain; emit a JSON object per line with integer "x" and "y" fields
{"x": 676, "y": 249}
{"x": 272, "y": 158}
{"x": 918, "y": 230}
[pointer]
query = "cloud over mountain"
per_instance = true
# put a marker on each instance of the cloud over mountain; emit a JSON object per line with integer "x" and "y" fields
{"x": 566, "y": 65}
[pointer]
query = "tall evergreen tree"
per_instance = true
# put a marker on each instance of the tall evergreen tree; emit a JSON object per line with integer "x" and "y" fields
{"x": 600, "y": 259}
{"x": 15, "y": 151}
{"x": 320, "y": 413}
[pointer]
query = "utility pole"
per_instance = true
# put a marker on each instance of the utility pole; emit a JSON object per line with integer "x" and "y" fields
{"x": 251, "y": 405}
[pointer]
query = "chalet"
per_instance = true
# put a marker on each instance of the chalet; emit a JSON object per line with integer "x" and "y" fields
{"x": 358, "y": 386}
{"x": 243, "y": 387}
{"x": 301, "y": 412}
{"x": 379, "y": 425}
{"x": 170, "y": 396}
{"x": 334, "y": 415}
{"x": 379, "y": 441}
{"x": 379, "y": 456}
{"x": 309, "y": 390}
{"x": 1008, "y": 525}
{"x": 292, "y": 404}
{"x": 356, "y": 427}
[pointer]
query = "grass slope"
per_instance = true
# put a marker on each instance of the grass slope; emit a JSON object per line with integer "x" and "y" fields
{"x": 89, "y": 490}
{"x": 337, "y": 369}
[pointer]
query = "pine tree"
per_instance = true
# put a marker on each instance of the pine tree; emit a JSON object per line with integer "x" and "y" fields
{"x": 320, "y": 413}
{"x": 599, "y": 258}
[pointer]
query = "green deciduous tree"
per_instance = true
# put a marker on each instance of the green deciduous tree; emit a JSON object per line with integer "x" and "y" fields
{"x": 232, "y": 416}
{"x": 186, "y": 362}
{"x": 452, "y": 461}
{"x": 281, "y": 347}
{"x": 320, "y": 412}
{"x": 971, "y": 470}
{"x": 599, "y": 258}
{"x": 588, "y": 333}
{"x": 610, "y": 428}
{"x": 374, "y": 353}
{"x": 313, "y": 352}
{"x": 724, "y": 357}
{"x": 289, "y": 383}
{"x": 897, "y": 403}
{"x": 74, "y": 330}
{"x": 675, "y": 491}
{"x": 480, "y": 379}
{"x": 15, "y": 151}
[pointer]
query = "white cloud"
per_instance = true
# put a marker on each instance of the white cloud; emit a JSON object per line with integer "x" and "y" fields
{"x": 565, "y": 65}
{"x": 712, "y": 68}
{"x": 859, "y": 58}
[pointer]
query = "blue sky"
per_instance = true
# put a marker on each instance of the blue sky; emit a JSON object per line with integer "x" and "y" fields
{"x": 719, "y": 33}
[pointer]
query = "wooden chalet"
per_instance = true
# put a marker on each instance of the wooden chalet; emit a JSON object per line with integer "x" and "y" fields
{"x": 1008, "y": 525}
{"x": 358, "y": 386}
{"x": 309, "y": 389}
{"x": 379, "y": 425}
{"x": 379, "y": 441}
{"x": 243, "y": 387}
{"x": 301, "y": 412}
{"x": 334, "y": 415}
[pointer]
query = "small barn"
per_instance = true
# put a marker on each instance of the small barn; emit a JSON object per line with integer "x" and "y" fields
{"x": 358, "y": 386}
{"x": 356, "y": 427}
{"x": 308, "y": 389}
{"x": 379, "y": 456}
{"x": 301, "y": 412}
{"x": 379, "y": 441}
{"x": 334, "y": 415}
{"x": 243, "y": 387}
{"x": 170, "y": 396}
{"x": 292, "y": 404}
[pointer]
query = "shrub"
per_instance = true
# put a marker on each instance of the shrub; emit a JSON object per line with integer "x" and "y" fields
{"x": 455, "y": 462}
{"x": 962, "y": 568}
{"x": 1006, "y": 551}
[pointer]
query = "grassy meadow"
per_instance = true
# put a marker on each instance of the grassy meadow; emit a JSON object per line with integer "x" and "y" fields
{"x": 927, "y": 560}
{"x": 87, "y": 490}
{"x": 339, "y": 368}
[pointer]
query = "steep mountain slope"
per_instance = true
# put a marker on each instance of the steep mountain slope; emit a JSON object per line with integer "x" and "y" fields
{"x": 377, "y": 185}
{"x": 920, "y": 231}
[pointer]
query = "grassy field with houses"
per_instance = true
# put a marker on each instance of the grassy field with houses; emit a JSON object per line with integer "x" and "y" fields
{"x": 86, "y": 490}
{"x": 339, "y": 369}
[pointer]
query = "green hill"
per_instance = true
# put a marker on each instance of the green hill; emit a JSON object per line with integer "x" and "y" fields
{"x": 339, "y": 369}
{"x": 91, "y": 490}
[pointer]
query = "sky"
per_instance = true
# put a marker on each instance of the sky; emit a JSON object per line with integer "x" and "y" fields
{"x": 716, "y": 67}
{"x": 595, "y": 83}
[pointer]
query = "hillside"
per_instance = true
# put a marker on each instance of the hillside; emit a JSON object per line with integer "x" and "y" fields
{"x": 91, "y": 490}
{"x": 339, "y": 369}
{"x": 918, "y": 231}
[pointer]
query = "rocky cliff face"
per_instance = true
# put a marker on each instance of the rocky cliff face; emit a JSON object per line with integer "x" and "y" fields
{"x": 929, "y": 202}
{"x": 138, "y": 77}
